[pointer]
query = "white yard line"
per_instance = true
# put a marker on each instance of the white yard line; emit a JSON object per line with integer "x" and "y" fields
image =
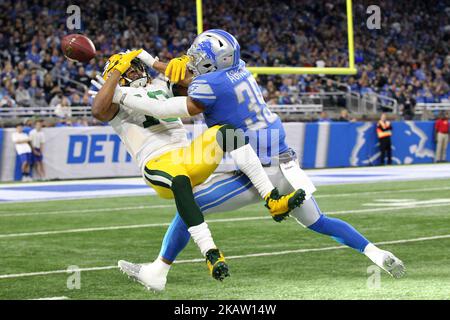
{"x": 152, "y": 225}
{"x": 387, "y": 209}
{"x": 355, "y": 194}
{"x": 21, "y": 214}
{"x": 53, "y": 298}
{"x": 319, "y": 196}
{"x": 133, "y": 226}
{"x": 263, "y": 254}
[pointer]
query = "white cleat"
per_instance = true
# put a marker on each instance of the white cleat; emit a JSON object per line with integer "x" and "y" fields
{"x": 393, "y": 265}
{"x": 144, "y": 274}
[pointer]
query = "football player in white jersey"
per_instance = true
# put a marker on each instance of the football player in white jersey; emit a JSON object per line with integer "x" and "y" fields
{"x": 169, "y": 162}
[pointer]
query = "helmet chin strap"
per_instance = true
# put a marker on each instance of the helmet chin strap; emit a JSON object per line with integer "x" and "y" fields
{"x": 138, "y": 83}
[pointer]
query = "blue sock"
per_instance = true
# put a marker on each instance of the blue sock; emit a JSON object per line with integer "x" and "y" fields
{"x": 340, "y": 231}
{"x": 175, "y": 240}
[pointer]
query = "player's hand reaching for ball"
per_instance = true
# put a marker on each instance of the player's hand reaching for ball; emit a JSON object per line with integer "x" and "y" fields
{"x": 123, "y": 63}
{"x": 176, "y": 69}
{"x": 118, "y": 91}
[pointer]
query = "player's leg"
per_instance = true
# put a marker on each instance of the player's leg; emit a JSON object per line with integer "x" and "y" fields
{"x": 310, "y": 216}
{"x": 172, "y": 180}
{"x": 200, "y": 160}
{"x": 224, "y": 192}
{"x": 234, "y": 141}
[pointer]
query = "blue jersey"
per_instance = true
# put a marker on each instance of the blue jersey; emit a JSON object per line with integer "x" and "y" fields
{"x": 232, "y": 96}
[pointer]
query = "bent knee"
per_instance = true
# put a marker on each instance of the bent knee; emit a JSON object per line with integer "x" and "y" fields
{"x": 180, "y": 183}
{"x": 230, "y": 138}
{"x": 308, "y": 214}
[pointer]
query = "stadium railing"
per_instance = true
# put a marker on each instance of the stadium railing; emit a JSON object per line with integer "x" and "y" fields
{"x": 288, "y": 109}
{"x": 422, "y": 107}
{"x": 44, "y": 112}
{"x": 352, "y": 101}
{"x": 85, "y": 111}
{"x": 310, "y": 102}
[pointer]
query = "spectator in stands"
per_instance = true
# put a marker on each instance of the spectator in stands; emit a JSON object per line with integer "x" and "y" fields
{"x": 28, "y": 126}
{"x": 411, "y": 51}
{"x": 23, "y": 149}
{"x": 81, "y": 122}
{"x": 6, "y": 103}
{"x": 48, "y": 86}
{"x": 62, "y": 109}
{"x": 324, "y": 117}
{"x": 82, "y": 77}
{"x": 87, "y": 100}
{"x": 33, "y": 88}
{"x": 441, "y": 137}
{"x": 345, "y": 117}
{"x": 64, "y": 123}
{"x": 409, "y": 104}
{"x": 57, "y": 98}
{"x": 48, "y": 64}
{"x": 75, "y": 99}
{"x": 39, "y": 101}
{"x": 23, "y": 97}
{"x": 37, "y": 140}
{"x": 33, "y": 56}
{"x": 384, "y": 133}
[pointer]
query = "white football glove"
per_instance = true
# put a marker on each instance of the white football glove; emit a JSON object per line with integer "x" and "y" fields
{"x": 118, "y": 93}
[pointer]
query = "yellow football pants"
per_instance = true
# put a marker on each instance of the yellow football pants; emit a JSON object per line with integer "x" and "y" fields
{"x": 196, "y": 161}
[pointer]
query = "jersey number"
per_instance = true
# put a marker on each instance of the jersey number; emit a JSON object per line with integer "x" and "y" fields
{"x": 151, "y": 121}
{"x": 256, "y": 104}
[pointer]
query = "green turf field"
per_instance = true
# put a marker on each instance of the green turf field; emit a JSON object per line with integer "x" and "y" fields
{"x": 412, "y": 218}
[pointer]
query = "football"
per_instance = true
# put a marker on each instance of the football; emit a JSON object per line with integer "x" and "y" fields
{"x": 78, "y": 47}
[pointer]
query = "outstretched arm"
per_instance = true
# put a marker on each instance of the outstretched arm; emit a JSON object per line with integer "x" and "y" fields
{"x": 176, "y": 107}
{"x": 103, "y": 107}
{"x": 137, "y": 99}
{"x": 183, "y": 79}
{"x": 176, "y": 70}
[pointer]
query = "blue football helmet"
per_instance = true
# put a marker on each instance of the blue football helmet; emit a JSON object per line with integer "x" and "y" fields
{"x": 213, "y": 50}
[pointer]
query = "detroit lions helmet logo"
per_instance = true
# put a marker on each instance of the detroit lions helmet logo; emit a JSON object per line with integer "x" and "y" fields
{"x": 213, "y": 50}
{"x": 206, "y": 47}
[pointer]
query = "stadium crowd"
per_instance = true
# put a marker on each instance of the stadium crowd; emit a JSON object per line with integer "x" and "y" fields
{"x": 407, "y": 59}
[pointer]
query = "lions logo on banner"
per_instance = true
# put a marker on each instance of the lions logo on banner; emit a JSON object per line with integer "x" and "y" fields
{"x": 411, "y": 143}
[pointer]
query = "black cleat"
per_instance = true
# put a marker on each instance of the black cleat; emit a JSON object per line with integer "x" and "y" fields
{"x": 217, "y": 266}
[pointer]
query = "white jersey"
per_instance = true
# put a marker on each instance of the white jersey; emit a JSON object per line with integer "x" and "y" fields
{"x": 37, "y": 138}
{"x": 146, "y": 137}
{"x": 22, "y": 147}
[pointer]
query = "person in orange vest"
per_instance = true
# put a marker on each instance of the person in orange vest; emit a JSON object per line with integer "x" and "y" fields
{"x": 384, "y": 133}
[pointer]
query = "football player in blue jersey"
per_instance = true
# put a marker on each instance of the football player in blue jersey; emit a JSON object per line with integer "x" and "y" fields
{"x": 226, "y": 93}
